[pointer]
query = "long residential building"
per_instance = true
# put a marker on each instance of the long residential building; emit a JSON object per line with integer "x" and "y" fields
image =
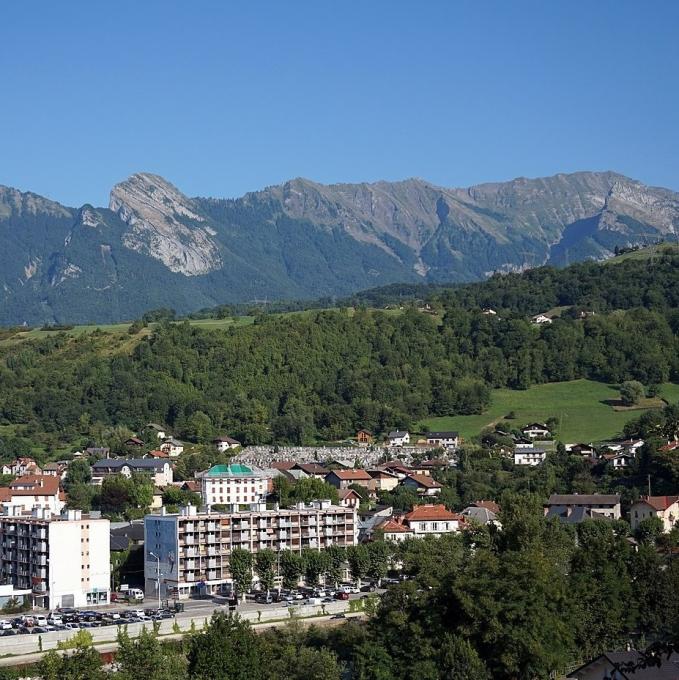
{"x": 64, "y": 560}
{"x": 188, "y": 552}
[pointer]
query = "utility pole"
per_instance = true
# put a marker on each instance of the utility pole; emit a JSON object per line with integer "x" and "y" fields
{"x": 649, "y": 484}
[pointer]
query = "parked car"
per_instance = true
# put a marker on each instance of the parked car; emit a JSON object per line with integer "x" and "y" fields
{"x": 40, "y": 620}
{"x": 341, "y": 595}
{"x": 55, "y": 619}
{"x": 5, "y": 625}
{"x": 370, "y": 588}
{"x": 339, "y": 616}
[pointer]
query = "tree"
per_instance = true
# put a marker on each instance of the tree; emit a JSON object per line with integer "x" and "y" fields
{"x": 79, "y": 472}
{"x": 84, "y": 662}
{"x": 315, "y": 565}
{"x": 631, "y": 392}
{"x": 336, "y": 559}
{"x": 265, "y": 561}
{"x": 240, "y": 565}
{"x": 227, "y": 650}
{"x": 379, "y": 554}
{"x": 146, "y": 657}
{"x": 648, "y": 530}
{"x": 458, "y": 660}
{"x": 292, "y": 568}
{"x": 359, "y": 561}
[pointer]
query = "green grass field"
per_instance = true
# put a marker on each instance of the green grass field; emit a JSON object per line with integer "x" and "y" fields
{"x": 644, "y": 253}
{"x": 579, "y": 404}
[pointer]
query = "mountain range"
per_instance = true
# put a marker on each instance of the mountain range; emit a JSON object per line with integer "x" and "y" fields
{"x": 156, "y": 247}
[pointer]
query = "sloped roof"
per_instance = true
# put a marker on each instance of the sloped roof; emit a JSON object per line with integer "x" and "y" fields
{"x": 393, "y": 527}
{"x": 423, "y": 480}
{"x": 38, "y": 485}
{"x": 430, "y": 512}
{"x": 489, "y": 505}
{"x": 659, "y": 502}
{"x": 312, "y": 468}
{"x": 350, "y": 475}
{"x": 345, "y": 493}
{"x": 583, "y": 499}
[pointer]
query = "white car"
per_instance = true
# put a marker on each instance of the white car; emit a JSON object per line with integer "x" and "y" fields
{"x": 55, "y": 619}
{"x": 5, "y": 625}
{"x": 41, "y": 621}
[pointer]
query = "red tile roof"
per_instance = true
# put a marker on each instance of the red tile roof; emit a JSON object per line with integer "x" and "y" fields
{"x": 350, "y": 475}
{"x": 345, "y": 493}
{"x": 659, "y": 502}
{"x": 158, "y": 454}
{"x": 38, "y": 485}
{"x": 283, "y": 464}
{"x": 5, "y": 494}
{"x": 312, "y": 468}
{"x": 431, "y": 512}
{"x": 423, "y": 480}
{"x": 488, "y": 505}
{"x": 392, "y": 527}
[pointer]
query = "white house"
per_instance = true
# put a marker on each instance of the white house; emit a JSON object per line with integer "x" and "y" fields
{"x": 666, "y": 508}
{"x": 225, "y": 443}
{"x": 443, "y": 439}
{"x": 536, "y": 431}
{"x": 33, "y": 491}
{"x": 21, "y": 466}
{"x": 529, "y": 456}
{"x": 432, "y": 520}
{"x": 173, "y": 447}
{"x": 540, "y": 319}
{"x": 233, "y": 484}
{"x": 398, "y": 438}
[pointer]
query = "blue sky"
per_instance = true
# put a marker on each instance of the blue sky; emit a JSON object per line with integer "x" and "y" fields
{"x": 222, "y": 98}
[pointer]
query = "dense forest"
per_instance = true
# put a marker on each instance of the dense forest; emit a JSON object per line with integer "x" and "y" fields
{"x": 320, "y": 375}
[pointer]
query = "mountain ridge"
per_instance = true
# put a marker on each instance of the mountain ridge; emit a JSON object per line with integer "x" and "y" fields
{"x": 155, "y": 246}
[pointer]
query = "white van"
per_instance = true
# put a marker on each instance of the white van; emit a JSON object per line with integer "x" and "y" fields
{"x": 135, "y": 595}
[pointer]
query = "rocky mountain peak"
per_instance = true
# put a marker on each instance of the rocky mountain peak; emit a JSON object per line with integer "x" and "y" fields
{"x": 165, "y": 224}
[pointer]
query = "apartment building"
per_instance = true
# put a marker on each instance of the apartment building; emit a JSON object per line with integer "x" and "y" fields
{"x": 188, "y": 552}
{"x": 235, "y": 483}
{"x": 64, "y": 560}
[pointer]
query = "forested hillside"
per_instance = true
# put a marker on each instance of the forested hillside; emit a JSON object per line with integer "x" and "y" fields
{"x": 321, "y": 375}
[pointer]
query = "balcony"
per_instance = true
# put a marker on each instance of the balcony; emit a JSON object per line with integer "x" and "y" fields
{"x": 282, "y": 534}
{"x": 189, "y": 552}
{"x": 210, "y": 538}
{"x": 212, "y": 564}
{"x": 190, "y": 540}
{"x": 190, "y": 564}
{"x": 212, "y": 526}
{"x": 189, "y": 526}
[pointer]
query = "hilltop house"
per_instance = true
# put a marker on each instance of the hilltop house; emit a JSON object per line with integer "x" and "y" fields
{"x": 422, "y": 484}
{"x": 343, "y": 479}
{"x": 158, "y": 429}
{"x": 398, "y": 438}
{"x": 529, "y": 455}
{"x": 665, "y": 508}
{"x": 225, "y": 443}
{"x": 173, "y": 447}
{"x": 444, "y": 440}
{"x": 536, "y": 431}
{"x": 603, "y": 505}
{"x": 21, "y": 466}
{"x": 364, "y": 437}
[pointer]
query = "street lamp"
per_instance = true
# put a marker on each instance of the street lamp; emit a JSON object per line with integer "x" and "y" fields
{"x": 157, "y": 573}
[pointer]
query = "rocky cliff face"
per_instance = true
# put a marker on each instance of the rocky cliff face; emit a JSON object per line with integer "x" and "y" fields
{"x": 155, "y": 247}
{"x": 164, "y": 225}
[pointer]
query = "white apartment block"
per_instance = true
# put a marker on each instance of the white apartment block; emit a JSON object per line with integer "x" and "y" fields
{"x": 64, "y": 560}
{"x": 191, "y": 550}
{"x": 233, "y": 484}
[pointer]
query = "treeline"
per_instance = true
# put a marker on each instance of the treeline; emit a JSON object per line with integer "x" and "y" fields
{"x": 322, "y": 375}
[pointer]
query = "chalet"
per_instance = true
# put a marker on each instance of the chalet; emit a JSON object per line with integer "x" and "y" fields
{"x": 34, "y": 491}
{"x": 443, "y": 440}
{"x": 364, "y": 437}
{"x": 282, "y": 465}
{"x": 398, "y": 438}
{"x": 540, "y": 319}
{"x": 349, "y": 498}
{"x": 536, "y": 431}
{"x": 98, "y": 451}
{"x": 433, "y": 520}
{"x": 584, "y": 450}
{"x": 156, "y": 454}
{"x": 665, "y": 508}
{"x": 159, "y": 470}
{"x": 529, "y": 456}
{"x": 312, "y": 470}
{"x": 605, "y": 505}
{"x": 173, "y": 447}
{"x": 134, "y": 441}
{"x": 57, "y": 469}
{"x": 343, "y": 479}
{"x": 225, "y": 443}
{"x": 383, "y": 480}
{"x": 22, "y": 466}
{"x": 424, "y": 486}
{"x": 619, "y": 461}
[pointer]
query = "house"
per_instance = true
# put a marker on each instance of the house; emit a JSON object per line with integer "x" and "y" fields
{"x": 434, "y": 464}
{"x": 282, "y": 465}
{"x": 433, "y": 520}
{"x": 312, "y": 470}
{"x": 225, "y": 443}
{"x": 574, "y": 515}
{"x": 369, "y": 520}
{"x": 34, "y": 491}
{"x": 349, "y": 498}
{"x": 620, "y": 460}
{"x": 540, "y": 319}
{"x": 158, "y": 429}
{"x": 364, "y": 437}
{"x": 172, "y": 447}
{"x": 424, "y": 486}
{"x": 670, "y": 446}
{"x": 526, "y": 455}
{"x": 398, "y": 438}
{"x": 666, "y": 508}
{"x": 605, "y": 505}
{"x": 98, "y": 451}
{"x": 397, "y": 468}
{"x": 190, "y": 485}
{"x": 159, "y": 469}
{"x": 383, "y": 480}
{"x": 480, "y": 515}
{"x": 57, "y": 469}
{"x": 536, "y": 431}
{"x": 22, "y": 466}
{"x": 134, "y": 441}
{"x": 396, "y": 531}
{"x": 343, "y": 479}
{"x": 157, "y": 500}
{"x": 443, "y": 440}
{"x": 613, "y": 665}
{"x": 584, "y": 450}
{"x": 489, "y": 312}
{"x": 156, "y": 454}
